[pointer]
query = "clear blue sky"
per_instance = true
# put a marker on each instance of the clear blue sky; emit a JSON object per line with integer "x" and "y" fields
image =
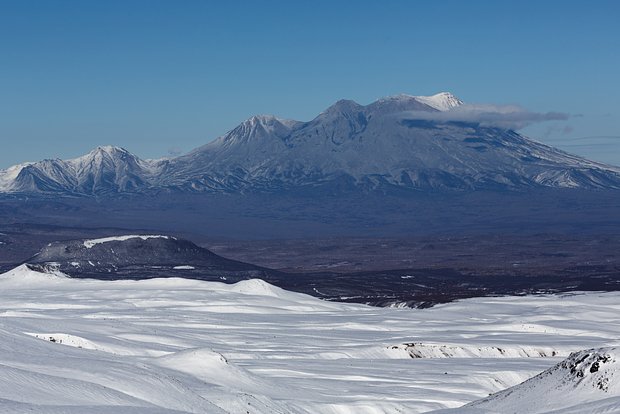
{"x": 166, "y": 76}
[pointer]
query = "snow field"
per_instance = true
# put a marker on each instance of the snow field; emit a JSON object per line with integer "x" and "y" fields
{"x": 176, "y": 345}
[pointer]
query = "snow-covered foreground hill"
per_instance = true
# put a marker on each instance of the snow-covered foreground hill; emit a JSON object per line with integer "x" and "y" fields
{"x": 585, "y": 382}
{"x": 186, "y": 346}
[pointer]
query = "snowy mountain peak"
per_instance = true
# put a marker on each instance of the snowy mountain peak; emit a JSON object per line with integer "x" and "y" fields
{"x": 101, "y": 154}
{"x": 400, "y": 98}
{"x": 256, "y": 128}
{"x": 443, "y": 101}
{"x": 109, "y": 149}
{"x": 378, "y": 146}
{"x": 261, "y": 119}
{"x": 268, "y": 123}
{"x": 106, "y": 169}
{"x": 8, "y": 176}
{"x": 343, "y": 106}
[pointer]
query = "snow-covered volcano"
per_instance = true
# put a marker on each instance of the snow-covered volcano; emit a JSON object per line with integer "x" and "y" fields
{"x": 394, "y": 142}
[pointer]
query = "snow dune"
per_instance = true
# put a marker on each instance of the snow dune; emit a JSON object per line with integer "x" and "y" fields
{"x": 187, "y": 346}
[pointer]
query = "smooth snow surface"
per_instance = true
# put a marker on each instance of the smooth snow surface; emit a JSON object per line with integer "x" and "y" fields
{"x": 90, "y": 243}
{"x": 187, "y": 346}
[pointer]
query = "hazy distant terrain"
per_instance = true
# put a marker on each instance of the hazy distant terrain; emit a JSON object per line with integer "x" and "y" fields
{"x": 265, "y": 216}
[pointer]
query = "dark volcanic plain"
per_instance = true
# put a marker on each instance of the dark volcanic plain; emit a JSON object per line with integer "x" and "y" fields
{"x": 428, "y": 270}
{"x": 417, "y": 250}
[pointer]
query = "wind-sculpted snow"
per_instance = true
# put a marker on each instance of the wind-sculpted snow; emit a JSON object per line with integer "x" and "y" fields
{"x": 187, "y": 346}
{"x": 399, "y": 143}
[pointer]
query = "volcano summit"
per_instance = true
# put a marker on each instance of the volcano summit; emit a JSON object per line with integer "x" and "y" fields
{"x": 400, "y": 142}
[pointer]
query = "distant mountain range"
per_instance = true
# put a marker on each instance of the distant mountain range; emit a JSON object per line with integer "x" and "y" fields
{"x": 381, "y": 146}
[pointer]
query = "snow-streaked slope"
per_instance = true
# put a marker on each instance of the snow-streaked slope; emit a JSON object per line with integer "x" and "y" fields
{"x": 380, "y": 146}
{"x": 8, "y": 176}
{"x": 176, "y": 345}
{"x": 587, "y": 381}
{"x": 139, "y": 256}
{"x": 104, "y": 170}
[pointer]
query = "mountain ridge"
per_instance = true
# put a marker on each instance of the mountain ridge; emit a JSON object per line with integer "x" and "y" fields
{"x": 376, "y": 147}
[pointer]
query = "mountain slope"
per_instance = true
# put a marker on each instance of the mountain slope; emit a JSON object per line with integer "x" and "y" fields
{"x": 382, "y": 145}
{"x": 104, "y": 170}
{"x": 397, "y": 142}
{"x": 141, "y": 257}
{"x": 587, "y": 381}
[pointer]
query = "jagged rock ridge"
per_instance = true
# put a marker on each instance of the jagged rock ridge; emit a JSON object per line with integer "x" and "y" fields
{"x": 586, "y": 381}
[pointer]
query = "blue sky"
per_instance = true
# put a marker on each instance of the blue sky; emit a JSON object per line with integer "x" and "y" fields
{"x": 162, "y": 77}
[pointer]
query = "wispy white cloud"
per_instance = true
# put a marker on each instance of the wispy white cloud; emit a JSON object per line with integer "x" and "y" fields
{"x": 609, "y": 141}
{"x": 500, "y": 116}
